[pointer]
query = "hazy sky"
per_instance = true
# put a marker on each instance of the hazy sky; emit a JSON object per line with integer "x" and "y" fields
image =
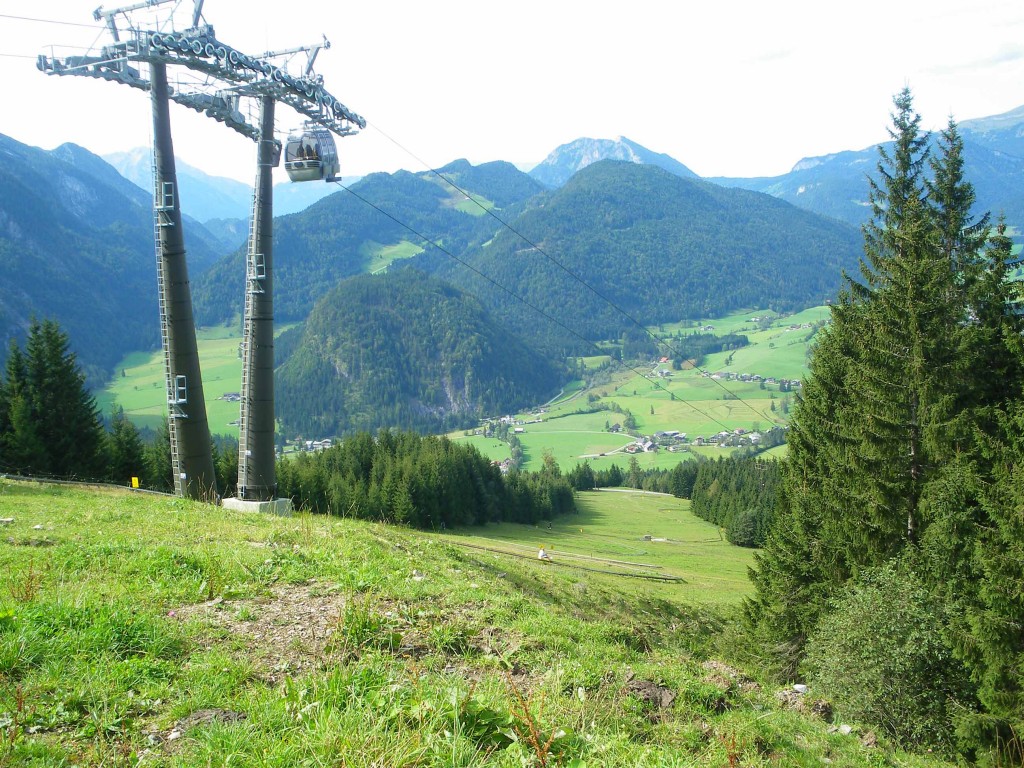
{"x": 741, "y": 88}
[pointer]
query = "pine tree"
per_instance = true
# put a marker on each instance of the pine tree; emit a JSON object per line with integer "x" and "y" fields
{"x": 126, "y": 454}
{"x": 65, "y": 413}
{"x": 881, "y": 443}
{"x": 54, "y": 427}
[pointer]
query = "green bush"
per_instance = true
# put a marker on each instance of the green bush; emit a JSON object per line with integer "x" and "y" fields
{"x": 882, "y": 657}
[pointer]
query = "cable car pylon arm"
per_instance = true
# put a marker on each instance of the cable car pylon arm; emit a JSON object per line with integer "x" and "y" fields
{"x": 200, "y": 50}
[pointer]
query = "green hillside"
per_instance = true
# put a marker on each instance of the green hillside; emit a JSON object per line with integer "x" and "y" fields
{"x": 76, "y": 246}
{"x": 150, "y": 630}
{"x": 344, "y": 235}
{"x": 659, "y": 248}
{"x": 404, "y": 350}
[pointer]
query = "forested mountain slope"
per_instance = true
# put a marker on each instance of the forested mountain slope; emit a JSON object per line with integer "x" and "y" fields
{"x": 403, "y": 350}
{"x": 658, "y": 247}
{"x": 342, "y": 234}
{"x": 76, "y": 246}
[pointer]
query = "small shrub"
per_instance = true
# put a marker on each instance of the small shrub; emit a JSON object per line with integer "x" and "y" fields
{"x": 881, "y": 656}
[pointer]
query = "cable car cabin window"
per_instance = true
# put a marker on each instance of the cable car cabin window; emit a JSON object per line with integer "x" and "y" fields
{"x": 304, "y": 149}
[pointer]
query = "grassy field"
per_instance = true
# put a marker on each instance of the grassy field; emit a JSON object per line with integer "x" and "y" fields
{"x": 144, "y": 630}
{"x": 140, "y": 391}
{"x": 573, "y": 429}
{"x": 607, "y": 538}
{"x": 474, "y": 205}
{"x": 382, "y": 257}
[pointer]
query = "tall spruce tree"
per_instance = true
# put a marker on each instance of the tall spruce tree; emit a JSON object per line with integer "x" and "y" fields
{"x": 882, "y": 438}
{"x": 65, "y": 413}
{"x": 51, "y": 425}
{"x": 126, "y": 453}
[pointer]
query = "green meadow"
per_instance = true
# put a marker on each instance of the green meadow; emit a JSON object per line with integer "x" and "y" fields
{"x": 381, "y": 257}
{"x": 646, "y": 543}
{"x": 573, "y": 427}
{"x": 142, "y": 630}
{"x": 474, "y": 205}
{"x": 140, "y": 391}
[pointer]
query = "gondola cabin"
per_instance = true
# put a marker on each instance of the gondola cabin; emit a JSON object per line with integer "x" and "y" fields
{"x": 310, "y": 155}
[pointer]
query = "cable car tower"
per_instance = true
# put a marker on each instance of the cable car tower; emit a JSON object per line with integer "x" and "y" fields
{"x": 219, "y": 81}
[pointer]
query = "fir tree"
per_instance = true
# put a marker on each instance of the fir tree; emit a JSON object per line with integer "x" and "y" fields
{"x": 126, "y": 454}
{"x": 54, "y": 425}
{"x": 897, "y": 388}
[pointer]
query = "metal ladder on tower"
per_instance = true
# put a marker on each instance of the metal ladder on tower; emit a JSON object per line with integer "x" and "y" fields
{"x": 174, "y": 410}
{"x": 255, "y": 272}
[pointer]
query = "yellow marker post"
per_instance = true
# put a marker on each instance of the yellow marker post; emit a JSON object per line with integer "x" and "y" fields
{"x": 135, "y": 482}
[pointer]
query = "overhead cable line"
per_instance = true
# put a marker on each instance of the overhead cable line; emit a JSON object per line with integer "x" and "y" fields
{"x": 568, "y": 271}
{"x": 515, "y": 296}
{"x": 50, "y": 21}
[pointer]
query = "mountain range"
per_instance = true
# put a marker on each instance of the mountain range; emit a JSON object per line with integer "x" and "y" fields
{"x": 76, "y": 244}
{"x": 601, "y": 235}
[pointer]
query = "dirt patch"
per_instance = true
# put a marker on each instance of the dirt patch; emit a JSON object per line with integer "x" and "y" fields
{"x": 650, "y": 693}
{"x": 725, "y": 678}
{"x": 495, "y": 641}
{"x": 286, "y": 632}
{"x": 207, "y": 716}
{"x": 790, "y": 698}
{"x": 31, "y": 542}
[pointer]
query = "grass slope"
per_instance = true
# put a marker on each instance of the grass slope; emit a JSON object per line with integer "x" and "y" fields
{"x": 141, "y": 629}
{"x": 140, "y": 391}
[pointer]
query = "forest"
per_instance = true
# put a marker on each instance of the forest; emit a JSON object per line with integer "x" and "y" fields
{"x": 407, "y": 352}
{"x": 892, "y": 576}
{"x": 426, "y": 482}
{"x": 652, "y": 247}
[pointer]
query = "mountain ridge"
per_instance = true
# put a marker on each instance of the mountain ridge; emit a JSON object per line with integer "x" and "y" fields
{"x": 567, "y": 159}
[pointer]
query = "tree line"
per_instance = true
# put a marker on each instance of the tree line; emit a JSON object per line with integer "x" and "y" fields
{"x": 892, "y": 576}
{"x": 738, "y": 493}
{"x": 422, "y": 481}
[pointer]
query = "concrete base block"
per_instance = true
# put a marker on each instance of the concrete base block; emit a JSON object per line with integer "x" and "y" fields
{"x": 282, "y": 507}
